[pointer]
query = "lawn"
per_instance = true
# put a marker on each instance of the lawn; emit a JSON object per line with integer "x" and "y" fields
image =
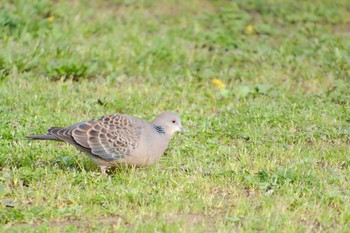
{"x": 263, "y": 89}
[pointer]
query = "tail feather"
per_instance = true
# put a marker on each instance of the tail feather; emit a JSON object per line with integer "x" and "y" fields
{"x": 43, "y": 137}
{"x": 62, "y": 135}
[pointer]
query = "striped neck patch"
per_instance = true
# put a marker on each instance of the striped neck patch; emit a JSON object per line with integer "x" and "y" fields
{"x": 159, "y": 129}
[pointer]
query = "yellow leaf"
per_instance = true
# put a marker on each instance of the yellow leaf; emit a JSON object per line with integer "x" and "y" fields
{"x": 249, "y": 29}
{"x": 51, "y": 18}
{"x": 218, "y": 83}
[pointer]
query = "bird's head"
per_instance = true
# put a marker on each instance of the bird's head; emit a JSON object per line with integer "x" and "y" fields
{"x": 169, "y": 121}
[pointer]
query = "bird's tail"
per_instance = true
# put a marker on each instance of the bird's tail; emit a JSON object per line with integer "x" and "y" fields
{"x": 43, "y": 137}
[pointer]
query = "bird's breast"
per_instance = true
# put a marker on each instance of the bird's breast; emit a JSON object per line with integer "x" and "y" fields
{"x": 148, "y": 150}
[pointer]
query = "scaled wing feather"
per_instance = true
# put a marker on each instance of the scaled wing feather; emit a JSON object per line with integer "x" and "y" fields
{"x": 110, "y": 137}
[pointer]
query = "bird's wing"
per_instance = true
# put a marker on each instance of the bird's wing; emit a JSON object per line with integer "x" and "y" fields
{"x": 111, "y": 137}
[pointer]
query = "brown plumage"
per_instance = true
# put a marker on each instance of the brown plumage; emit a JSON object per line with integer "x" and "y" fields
{"x": 119, "y": 138}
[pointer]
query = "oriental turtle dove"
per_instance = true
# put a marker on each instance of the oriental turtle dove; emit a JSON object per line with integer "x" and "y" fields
{"x": 119, "y": 139}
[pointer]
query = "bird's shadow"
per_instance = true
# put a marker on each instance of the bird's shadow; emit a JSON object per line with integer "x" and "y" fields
{"x": 80, "y": 163}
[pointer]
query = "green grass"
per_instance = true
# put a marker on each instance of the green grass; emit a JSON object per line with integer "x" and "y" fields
{"x": 268, "y": 152}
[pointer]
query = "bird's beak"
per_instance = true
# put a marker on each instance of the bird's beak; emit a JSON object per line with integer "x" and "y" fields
{"x": 182, "y": 129}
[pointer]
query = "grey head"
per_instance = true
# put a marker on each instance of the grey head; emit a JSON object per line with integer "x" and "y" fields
{"x": 169, "y": 122}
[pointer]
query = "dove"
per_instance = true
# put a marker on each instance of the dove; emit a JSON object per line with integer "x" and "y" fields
{"x": 119, "y": 138}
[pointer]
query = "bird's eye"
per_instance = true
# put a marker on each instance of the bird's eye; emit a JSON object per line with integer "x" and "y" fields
{"x": 173, "y": 121}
